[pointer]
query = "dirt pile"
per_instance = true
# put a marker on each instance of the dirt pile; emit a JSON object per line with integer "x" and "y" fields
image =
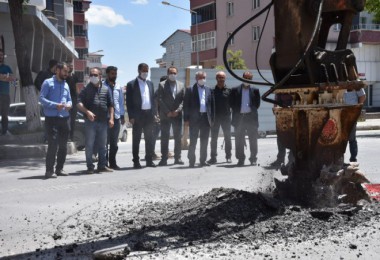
{"x": 221, "y": 216}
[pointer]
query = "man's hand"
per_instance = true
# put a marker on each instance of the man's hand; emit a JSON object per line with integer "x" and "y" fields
{"x": 132, "y": 121}
{"x": 61, "y": 106}
{"x": 111, "y": 123}
{"x": 122, "y": 120}
{"x": 175, "y": 114}
{"x": 90, "y": 116}
{"x": 186, "y": 123}
{"x": 68, "y": 107}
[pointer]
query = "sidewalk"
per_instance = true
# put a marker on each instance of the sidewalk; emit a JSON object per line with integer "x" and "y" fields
{"x": 369, "y": 124}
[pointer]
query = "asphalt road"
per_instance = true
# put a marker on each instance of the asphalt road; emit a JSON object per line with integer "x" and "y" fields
{"x": 32, "y": 209}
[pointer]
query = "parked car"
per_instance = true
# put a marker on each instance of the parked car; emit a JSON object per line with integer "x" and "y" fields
{"x": 17, "y": 124}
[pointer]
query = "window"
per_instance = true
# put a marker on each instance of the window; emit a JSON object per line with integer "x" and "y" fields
{"x": 255, "y": 4}
{"x": 182, "y": 46}
{"x": 206, "y": 41}
{"x": 337, "y": 27}
{"x": 171, "y": 48}
{"x": 79, "y": 31}
{"x": 230, "y": 8}
{"x": 256, "y": 33}
{"x": 203, "y": 14}
{"x": 232, "y": 41}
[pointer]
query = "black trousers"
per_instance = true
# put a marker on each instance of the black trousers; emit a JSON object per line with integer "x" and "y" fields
{"x": 57, "y": 131}
{"x": 143, "y": 124}
{"x": 112, "y": 140}
{"x": 200, "y": 128}
{"x": 5, "y": 101}
{"x": 73, "y": 117}
{"x": 225, "y": 123}
{"x": 247, "y": 125}
{"x": 176, "y": 123}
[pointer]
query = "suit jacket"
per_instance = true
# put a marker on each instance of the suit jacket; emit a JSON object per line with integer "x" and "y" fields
{"x": 133, "y": 98}
{"x": 166, "y": 102}
{"x": 191, "y": 105}
{"x": 235, "y": 101}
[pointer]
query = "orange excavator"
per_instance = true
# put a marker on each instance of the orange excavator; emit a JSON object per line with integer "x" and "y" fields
{"x": 316, "y": 126}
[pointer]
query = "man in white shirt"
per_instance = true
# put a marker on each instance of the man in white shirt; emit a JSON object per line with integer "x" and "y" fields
{"x": 141, "y": 113}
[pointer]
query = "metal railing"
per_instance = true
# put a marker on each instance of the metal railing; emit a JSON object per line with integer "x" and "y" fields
{"x": 372, "y": 27}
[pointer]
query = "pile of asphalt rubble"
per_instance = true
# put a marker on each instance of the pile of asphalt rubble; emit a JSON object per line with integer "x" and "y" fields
{"x": 225, "y": 216}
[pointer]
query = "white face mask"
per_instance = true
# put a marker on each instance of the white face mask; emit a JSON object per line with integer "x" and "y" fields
{"x": 172, "y": 77}
{"x": 144, "y": 75}
{"x": 201, "y": 82}
{"x": 94, "y": 80}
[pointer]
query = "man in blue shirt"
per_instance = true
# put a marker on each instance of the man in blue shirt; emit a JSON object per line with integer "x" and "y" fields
{"x": 118, "y": 100}
{"x": 352, "y": 97}
{"x": 56, "y": 101}
{"x": 5, "y": 99}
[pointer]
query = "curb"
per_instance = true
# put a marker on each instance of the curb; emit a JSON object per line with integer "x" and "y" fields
{"x": 19, "y": 151}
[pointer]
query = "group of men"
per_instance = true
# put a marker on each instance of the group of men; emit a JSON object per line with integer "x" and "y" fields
{"x": 202, "y": 108}
{"x": 102, "y": 104}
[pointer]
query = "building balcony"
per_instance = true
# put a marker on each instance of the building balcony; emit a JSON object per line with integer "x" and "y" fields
{"x": 79, "y": 18}
{"x": 81, "y": 42}
{"x": 69, "y": 11}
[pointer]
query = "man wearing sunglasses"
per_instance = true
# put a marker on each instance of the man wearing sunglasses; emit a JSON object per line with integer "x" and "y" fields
{"x": 95, "y": 102}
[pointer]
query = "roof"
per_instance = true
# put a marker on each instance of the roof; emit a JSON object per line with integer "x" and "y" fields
{"x": 178, "y": 30}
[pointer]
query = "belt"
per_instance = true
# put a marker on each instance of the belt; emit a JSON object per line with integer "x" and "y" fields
{"x": 245, "y": 114}
{"x": 202, "y": 113}
{"x": 146, "y": 110}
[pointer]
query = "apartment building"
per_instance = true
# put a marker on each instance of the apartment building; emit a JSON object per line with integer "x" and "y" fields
{"x": 178, "y": 50}
{"x": 216, "y": 20}
{"x": 44, "y": 40}
{"x": 81, "y": 40}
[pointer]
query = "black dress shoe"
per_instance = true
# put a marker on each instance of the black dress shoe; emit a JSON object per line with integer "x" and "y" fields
{"x": 137, "y": 166}
{"x": 212, "y": 161}
{"x": 179, "y": 161}
{"x": 163, "y": 163}
{"x": 115, "y": 167}
{"x": 150, "y": 164}
{"x": 253, "y": 161}
{"x": 240, "y": 163}
{"x": 203, "y": 164}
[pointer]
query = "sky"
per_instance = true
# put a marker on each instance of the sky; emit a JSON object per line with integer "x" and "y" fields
{"x": 130, "y": 31}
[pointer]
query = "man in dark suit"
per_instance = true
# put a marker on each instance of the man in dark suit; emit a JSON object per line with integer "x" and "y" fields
{"x": 142, "y": 114}
{"x": 199, "y": 115}
{"x": 170, "y": 94}
{"x": 245, "y": 101}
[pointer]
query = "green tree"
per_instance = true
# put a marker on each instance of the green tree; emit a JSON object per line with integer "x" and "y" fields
{"x": 234, "y": 61}
{"x": 33, "y": 119}
{"x": 373, "y": 7}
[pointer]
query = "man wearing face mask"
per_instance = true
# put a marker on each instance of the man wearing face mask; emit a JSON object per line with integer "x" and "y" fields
{"x": 245, "y": 101}
{"x": 95, "y": 102}
{"x": 198, "y": 108}
{"x": 170, "y": 94}
{"x": 118, "y": 100}
{"x": 221, "y": 95}
{"x": 142, "y": 114}
{"x": 72, "y": 81}
{"x": 56, "y": 101}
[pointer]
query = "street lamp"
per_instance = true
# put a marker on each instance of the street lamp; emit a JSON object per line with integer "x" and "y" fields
{"x": 196, "y": 25}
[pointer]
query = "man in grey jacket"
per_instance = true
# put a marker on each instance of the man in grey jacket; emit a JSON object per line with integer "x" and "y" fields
{"x": 170, "y": 94}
